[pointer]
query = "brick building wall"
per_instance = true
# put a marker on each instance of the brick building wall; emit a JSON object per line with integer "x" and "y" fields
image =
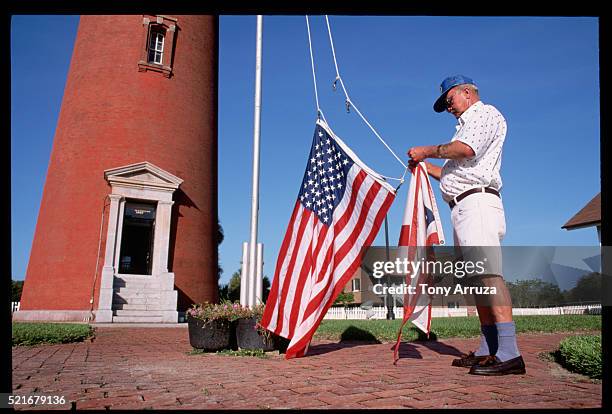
{"x": 115, "y": 114}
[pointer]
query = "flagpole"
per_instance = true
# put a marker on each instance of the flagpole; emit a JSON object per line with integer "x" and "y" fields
{"x": 255, "y": 196}
{"x": 390, "y": 301}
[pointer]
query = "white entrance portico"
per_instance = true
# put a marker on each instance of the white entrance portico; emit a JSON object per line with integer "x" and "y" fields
{"x": 136, "y": 285}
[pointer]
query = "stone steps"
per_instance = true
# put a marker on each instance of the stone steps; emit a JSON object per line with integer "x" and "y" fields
{"x": 138, "y": 299}
{"x": 136, "y": 306}
{"x": 137, "y": 319}
{"x": 143, "y": 300}
{"x": 136, "y": 293}
{"x": 139, "y": 313}
{"x": 122, "y": 284}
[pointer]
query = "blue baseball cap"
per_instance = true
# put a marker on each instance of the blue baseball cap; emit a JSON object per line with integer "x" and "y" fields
{"x": 446, "y": 85}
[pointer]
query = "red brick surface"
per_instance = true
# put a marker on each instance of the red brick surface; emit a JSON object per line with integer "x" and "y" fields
{"x": 138, "y": 368}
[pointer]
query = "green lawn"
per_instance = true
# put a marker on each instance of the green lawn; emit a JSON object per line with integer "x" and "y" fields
{"x": 465, "y": 327}
{"x": 368, "y": 330}
{"x": 26, "y": 333}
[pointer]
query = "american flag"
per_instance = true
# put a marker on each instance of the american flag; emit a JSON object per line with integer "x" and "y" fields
{"x": 421, "y": 228}
{"x": 338, "y": 212}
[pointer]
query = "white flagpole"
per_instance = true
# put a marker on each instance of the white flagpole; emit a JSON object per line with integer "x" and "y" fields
{"x": 255, "y": 197}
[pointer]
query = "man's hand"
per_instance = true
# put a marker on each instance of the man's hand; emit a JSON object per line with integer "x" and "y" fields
{"x": 412, "y": 164}
{"x": 418, "y": 154}
{"x": 432, "y": 169}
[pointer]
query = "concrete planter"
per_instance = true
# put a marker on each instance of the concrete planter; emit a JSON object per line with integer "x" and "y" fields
{"x": 212, "y": 335}
{"x": 249, "y": 337}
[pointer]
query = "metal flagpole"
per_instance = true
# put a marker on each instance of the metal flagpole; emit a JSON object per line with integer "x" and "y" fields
{"x": 252, "y": 272}
{"x": 390, "y": 301}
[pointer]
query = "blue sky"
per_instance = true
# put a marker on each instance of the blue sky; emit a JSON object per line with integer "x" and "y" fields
{"x": 540, "y": 72}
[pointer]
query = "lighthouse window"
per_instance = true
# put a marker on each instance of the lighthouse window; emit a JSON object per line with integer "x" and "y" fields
{"x": 159, "y": 37}
{"x": 156, "y": 47}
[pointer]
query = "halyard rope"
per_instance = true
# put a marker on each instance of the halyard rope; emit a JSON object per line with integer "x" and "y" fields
{"x": 348, "y": 100}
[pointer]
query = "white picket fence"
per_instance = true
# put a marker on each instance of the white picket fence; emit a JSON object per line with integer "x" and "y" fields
{"x": 560, "y": 310}
{"x": 380, "y": 312}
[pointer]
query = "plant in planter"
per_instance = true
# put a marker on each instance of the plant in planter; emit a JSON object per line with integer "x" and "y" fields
{"x": 251, "y": 335}
{"x": 211, "y": 326}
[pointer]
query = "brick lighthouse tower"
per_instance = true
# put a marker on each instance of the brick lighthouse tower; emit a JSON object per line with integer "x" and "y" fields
{"x": 128, "y": 220}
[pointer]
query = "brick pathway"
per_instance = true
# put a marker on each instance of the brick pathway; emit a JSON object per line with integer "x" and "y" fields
{"x": 137, "y": 368}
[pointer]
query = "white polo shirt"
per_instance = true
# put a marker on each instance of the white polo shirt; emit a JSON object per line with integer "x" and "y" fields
{"x": 483, "y": 128}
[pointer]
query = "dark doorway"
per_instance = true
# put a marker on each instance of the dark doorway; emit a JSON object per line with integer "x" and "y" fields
{"x": 136, "y": 254}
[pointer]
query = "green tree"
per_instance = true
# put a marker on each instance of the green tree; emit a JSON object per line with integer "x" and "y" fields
{"x": 534, "y": 292}
{"x": 220, "y": 236}
{"x": 231, "y": 290}
{"x": 549, "y": 294}
{"x": 16, "y": 289}
{"x": 265, "y": 288}
{"x": 223, "y": 294}
{"x": 233, "y": 287}
{"x": 587, "y": 289}
{"x": 344, "y": 298}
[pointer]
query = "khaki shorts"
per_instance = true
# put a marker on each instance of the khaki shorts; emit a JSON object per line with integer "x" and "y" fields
{"x": 479, "y": 225}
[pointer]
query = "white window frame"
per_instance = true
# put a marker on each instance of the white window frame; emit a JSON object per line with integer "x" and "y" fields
{"x": 156, "y": 50}
{"x": 356, "y": 282}
{"x": 151, "y": 44}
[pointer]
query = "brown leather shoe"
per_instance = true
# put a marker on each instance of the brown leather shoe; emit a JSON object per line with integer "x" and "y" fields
{"x": 493, "y": 366}
{"x": 468, "y": 360}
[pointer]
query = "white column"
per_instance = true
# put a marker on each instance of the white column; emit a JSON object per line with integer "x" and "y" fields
{"x": 161, "y": 245}
{"x": 161, "y": 239}
{"x": 105, "y": 302}
{"x": 259, "y": 276}
{"x": 244, "y": 275}
{"x": 111, "y": 232}
{"x": 119, "y": 235}
{"x": 599, "y": 234}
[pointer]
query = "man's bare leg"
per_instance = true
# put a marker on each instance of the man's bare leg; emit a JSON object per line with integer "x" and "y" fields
{"x": 496, "y": 310}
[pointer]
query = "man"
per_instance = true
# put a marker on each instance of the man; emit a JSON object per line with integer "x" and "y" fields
{"x": 470, "y": 182}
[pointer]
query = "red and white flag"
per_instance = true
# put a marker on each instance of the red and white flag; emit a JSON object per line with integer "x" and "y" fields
{"x": 421, "y": 228}
{"x": 338, "y": 212}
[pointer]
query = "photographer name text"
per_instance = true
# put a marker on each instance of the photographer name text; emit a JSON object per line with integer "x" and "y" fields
{"x": 405, "y": 289}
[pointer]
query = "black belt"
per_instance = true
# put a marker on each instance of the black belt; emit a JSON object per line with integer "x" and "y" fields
{"x": 463, "y": 195}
